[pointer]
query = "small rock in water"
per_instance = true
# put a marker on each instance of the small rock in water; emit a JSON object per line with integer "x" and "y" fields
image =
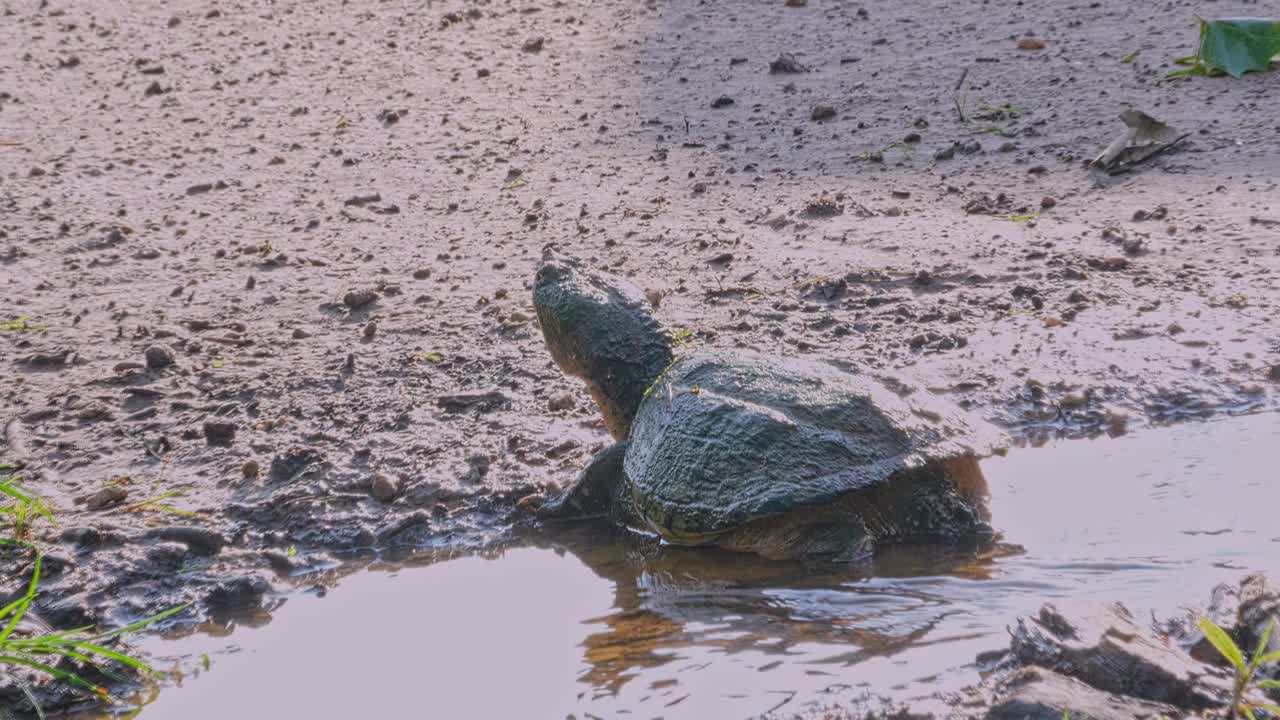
{"x": 385, "y": 488}
{"x": 250, "y": 469}
{"x": 158, "y": 356}
{"x": 1031, "y": 43}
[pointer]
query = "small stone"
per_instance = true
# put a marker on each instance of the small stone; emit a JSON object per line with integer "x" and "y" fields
{"x": 822, "y": 112}
{"x": 563, "y": 401}
{"x": 912, "y": 138}
{"x": 786, "y": 64}
{"x": 654, "y": 296}
{"x": 422, "y": 273}
{"x": 534, "y": 45}
{"x": 723, "y": 101}
{"x": 1273, "y": 373}
{"x": 106, "y": 497}
{"x": 250, "y": 469}
{"x": 385, "y": 487}
{"x": 158, "y": 356}
{"x": 355, "y": 299}
{"x": 797, "y": 3}
{"x": 370, "y": 330}
{"x": 1031, "y": 43}
{"x": 219, "y": 434}
{"x": 300, "y": 334}
{"x": 1047, "y": 202}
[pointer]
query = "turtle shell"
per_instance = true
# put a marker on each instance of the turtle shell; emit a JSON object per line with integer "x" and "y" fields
{"x": 723, "y": 438}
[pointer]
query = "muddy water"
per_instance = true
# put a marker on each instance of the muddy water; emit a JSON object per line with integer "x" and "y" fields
{"x": 591, "y": 626}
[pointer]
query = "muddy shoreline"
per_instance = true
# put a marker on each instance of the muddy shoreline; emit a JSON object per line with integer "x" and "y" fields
{"x": 272, "y": 265}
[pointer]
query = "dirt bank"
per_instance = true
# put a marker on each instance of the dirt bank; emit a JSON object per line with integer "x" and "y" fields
{"x": 276, "y": 257}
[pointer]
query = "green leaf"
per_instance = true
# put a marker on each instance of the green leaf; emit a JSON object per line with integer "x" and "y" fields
{"x": 1239, "y": 45}
{"x": 1223, "y": 642}
{"x": 1262, "y": 646}
{"x": 1131, "y": 57}
{"x": 1269, "y": 684}
{"x": 1248, "y": 711}
{"x": 1268, "y": 658}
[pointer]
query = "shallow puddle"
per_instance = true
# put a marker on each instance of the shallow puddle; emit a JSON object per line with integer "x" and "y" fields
{"x": 595, "y": 627}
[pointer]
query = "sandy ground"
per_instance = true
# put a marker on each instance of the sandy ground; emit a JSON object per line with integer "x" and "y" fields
{"x": 222, "y": 182}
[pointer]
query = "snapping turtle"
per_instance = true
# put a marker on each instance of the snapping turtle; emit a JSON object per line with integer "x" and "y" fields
{"x": 745, "y": 451}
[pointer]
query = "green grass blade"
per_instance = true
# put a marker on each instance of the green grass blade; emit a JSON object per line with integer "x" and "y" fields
{"x": 7, "y": 488}
{"x": 34, "y": 702}
{"x": 21, "y": 610}
{"x": 1223, "y": 642}
{"x": 87, "y": 647}
{"x": 1248, "y": 711}
{"x": 55, "y": 673}
{"x": 140, "y": 624}
{"x": 1269, "y": 684}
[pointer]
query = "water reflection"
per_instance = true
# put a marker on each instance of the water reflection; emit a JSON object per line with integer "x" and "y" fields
{"x": 593, "y": 625}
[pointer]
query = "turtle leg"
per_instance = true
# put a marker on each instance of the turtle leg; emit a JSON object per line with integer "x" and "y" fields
{"x": 803, "y": 534}
{"x": 596, "y": 493}
{"x": 837, "y": 542}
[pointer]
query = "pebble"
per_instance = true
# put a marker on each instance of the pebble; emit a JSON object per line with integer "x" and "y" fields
{"x": 355, "y": 299}
{"x": 822, "y": 112}
{"x": 1047, "y": 202}
{"x": 106, "y": 497}
{"x": 786, "y": 64}
{"x": 158, "y": 356}
{"x": 1031, "y": 43}
{"x": 1273, "y": 373}
{"x": 563, "y": 401}
{"x": 219, "y": 434}
{"x": 534, "y": 45}
{"x": 250, "y": 469}
{"x": 385, "y": 487}
{"x": 370, "y": 330}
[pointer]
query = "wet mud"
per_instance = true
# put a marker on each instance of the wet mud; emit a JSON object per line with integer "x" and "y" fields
{"x": 272, "y": 264}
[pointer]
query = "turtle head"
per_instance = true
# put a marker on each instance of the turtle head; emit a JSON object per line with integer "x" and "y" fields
{"x": 599, "y": 328}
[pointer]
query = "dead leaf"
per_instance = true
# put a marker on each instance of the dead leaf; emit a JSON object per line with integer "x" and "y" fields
{"x": 1143, "y": 138}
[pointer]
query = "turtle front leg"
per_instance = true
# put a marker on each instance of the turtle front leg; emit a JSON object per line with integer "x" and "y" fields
{"x": 598, "y": 492}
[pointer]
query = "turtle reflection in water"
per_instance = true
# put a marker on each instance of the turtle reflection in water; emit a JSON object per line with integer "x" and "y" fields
{"x": 732, "y": 448}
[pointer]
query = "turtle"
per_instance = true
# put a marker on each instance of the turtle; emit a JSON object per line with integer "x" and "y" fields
{"x": 733, "y": 448}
